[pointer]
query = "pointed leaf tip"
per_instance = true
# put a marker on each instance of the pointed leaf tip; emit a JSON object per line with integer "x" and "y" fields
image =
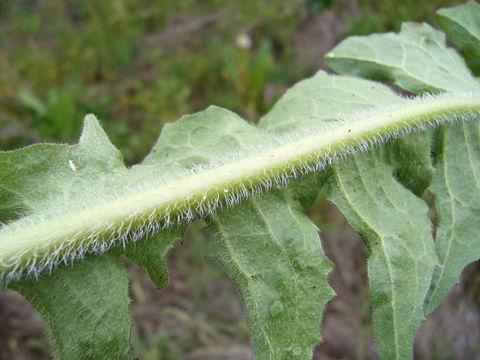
{"x": 94, "y": 141}
{"x": 91, "y": 129}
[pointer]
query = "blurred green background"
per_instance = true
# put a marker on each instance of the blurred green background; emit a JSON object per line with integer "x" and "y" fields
{"x": 139, "y": 64}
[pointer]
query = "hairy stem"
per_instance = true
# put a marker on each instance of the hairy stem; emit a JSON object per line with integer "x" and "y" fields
{"x": 31, "y": 244}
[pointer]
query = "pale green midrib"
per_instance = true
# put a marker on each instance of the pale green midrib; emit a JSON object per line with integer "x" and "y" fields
{"x": 39, "y": 238}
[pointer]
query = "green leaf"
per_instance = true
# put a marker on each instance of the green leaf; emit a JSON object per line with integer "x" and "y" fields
{"x": 462, "y": 25}
{"x": 454, "y": 244}
{"x": 150, "y": 252}
{"x": 273, "y": 254}
{"x": 289, "y": 292}
{"x": 35, "y": 178}
{"x": 410, "y": 157}
{"x": 93, "y": 295}
{"x": 396, "y": 228}
{"x": 91, "y": 209}
{"x": 456, "y": 151}
{"x": 86, "y": 308}
{"x": 392, "y": 221}
{"x": 50, "y": 180}
{"x": 324, "y": 99}
{"x": 456, "y": 184}
{"x": 456, "y": 188}
{"x": 60, "y": 203}
{"x": 416, "y": 59}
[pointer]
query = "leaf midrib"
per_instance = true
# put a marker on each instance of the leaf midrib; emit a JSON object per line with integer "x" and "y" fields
{"x": 35, "y": 238}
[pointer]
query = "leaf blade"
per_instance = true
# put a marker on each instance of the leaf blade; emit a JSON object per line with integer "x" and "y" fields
{"x": 456, "y": 191}
{"x": 151, "y": 251}
{"x": 86, "y": 308}
{"x": 461, "y": 24}
{"x": 397, "y": 232}
{"x": 448, "y": 246}
{"x": 351, "y": 187}
{"x": 403, "y": 58}
{"x": 289, "y": 292}
{"x": 244, "y": 236}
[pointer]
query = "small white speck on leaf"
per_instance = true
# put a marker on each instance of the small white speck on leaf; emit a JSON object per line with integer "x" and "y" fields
{"x": 72, "y": 165}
